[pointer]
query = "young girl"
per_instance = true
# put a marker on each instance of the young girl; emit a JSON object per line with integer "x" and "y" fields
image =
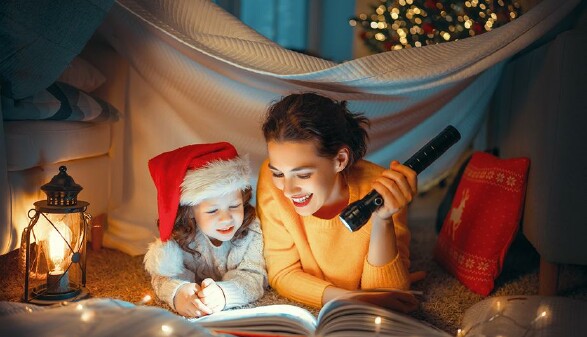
{"x": 209, "y": 256}
{"x": 314, "y": 170}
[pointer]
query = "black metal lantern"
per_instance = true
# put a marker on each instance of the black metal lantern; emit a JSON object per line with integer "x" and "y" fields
{"x": 55, "y": 244}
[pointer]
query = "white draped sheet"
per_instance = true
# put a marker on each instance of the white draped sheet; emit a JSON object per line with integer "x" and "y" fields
{"x": 200, "y": 75}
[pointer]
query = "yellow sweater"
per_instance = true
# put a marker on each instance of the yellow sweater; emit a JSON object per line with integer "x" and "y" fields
{"x": 306, "y": 254}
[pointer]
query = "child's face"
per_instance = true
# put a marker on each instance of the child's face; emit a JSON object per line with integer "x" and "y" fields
{"x": 220, "y": 218}
{"x": 309, "y": 181}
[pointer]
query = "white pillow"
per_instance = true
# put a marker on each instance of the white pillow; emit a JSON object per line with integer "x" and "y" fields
{"x": 82, "y": 75}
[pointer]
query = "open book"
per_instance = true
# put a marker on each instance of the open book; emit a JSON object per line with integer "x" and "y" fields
{"x": 508, "y": 316}
{"x": 346, "y": 316}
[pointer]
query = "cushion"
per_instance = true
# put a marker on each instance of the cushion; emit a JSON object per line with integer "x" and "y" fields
{"x": 60, "y": 101}
{"x": 40, "y": 38}
{"x": 82, "y": 75}
{"x": 483, "y": 220}
{"x": 40, "y": 143}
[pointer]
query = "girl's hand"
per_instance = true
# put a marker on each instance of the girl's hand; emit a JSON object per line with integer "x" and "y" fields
{"x": 187, "y": 303}
{"x": 212, "y": 295}
{"x": 397, "y": 186}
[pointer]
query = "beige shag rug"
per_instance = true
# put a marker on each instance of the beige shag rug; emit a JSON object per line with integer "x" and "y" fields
{"x": 113, "y": 274}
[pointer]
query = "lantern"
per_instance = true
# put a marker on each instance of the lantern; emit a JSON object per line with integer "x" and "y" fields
{"x": 54, "y": 243}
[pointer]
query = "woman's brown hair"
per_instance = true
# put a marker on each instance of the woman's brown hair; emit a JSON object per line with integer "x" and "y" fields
{"x": 312, "y": 117}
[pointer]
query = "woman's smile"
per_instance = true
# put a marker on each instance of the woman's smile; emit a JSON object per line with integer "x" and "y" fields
{"x": 301, "y": 201}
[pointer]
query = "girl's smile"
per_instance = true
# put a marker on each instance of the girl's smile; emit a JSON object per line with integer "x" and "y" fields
{"x": 225, "y": 231}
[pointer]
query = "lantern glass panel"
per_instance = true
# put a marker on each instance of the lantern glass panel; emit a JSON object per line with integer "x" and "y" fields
{"x": 59, "y": 236}
{"x": 57, "y": 269}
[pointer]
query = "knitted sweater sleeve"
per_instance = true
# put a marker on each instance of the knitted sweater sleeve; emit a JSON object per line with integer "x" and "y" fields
{"x": 394, "y": 274}
{"x": 281, "y": 254}
{"x": 164, "y": 262}
{"x": 247, "y": 282}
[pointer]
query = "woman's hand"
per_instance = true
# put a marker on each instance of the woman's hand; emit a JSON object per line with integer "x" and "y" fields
{"x": 188, "y": 304}
{"x": 212, "y": 295}
{"x": 398, "y": 185}
{"x": 395, "y": 300}
{"x": 403, "y": 301}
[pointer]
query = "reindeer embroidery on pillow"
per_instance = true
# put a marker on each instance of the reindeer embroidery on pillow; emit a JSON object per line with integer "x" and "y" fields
{"x": 456, "y": 213}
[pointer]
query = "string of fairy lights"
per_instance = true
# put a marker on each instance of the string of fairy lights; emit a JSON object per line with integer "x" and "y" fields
{"x": 490, "y": 327}
{"x": 399, "y": 24}
{"x": 498, "y": 312}
{"x": 525, "y": 329}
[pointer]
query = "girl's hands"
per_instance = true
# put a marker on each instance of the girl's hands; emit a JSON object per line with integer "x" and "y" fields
{"x": 398, "y": 185}
{"x": 212, "y": 295}
{"x": 188, "y": 304}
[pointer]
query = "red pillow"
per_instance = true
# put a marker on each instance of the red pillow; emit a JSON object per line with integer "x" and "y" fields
{"x": 483, "y": 220}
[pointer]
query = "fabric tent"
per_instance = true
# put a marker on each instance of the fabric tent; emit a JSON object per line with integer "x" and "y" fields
{"x": 198, "y": 74}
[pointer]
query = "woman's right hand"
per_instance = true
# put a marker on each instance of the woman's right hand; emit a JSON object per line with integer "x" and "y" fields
{"x": 398, "y": 186}
{"x": 187, "y": 303}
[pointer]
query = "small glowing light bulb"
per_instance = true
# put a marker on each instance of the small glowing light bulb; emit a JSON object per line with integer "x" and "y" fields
{"x": 146, "y": 299}
{"x": 166, "y": 329}
{"x": 87, "y": 315}
{"x": 377, "y": 325}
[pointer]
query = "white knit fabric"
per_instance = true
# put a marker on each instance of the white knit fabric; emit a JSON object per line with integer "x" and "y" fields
{"x": 198, "y": 74}
{"x": 238, "y": 268}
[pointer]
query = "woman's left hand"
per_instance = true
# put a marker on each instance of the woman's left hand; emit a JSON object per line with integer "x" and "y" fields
{"x": 398, "y": 185}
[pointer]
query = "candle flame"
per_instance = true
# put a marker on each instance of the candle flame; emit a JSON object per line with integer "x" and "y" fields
{"x": 58, "y": 248}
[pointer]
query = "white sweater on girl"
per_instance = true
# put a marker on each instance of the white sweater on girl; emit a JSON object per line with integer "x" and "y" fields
{"x": 238, "y": 268}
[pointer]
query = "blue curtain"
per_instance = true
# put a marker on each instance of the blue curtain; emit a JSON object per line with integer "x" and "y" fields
{"x": 318, "y": 27}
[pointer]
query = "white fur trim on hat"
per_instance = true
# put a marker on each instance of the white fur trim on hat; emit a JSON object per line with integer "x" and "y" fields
{"x": 216, "y": 179}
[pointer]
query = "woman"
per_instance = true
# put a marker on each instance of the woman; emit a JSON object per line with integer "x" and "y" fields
{"x": 314, "y": 170}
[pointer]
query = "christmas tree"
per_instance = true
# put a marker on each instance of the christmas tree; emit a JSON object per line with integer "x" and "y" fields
{"x": 397, "y": 24}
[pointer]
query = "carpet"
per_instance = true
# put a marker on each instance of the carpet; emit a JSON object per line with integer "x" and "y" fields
{"x": 113, "y": 274}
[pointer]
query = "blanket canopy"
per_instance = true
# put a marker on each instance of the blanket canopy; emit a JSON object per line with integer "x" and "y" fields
{"x": 198, "y": 74}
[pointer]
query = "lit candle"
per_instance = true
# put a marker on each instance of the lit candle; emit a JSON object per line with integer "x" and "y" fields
{"x": 57, "y": 254}
{"x": 57, "y": 247}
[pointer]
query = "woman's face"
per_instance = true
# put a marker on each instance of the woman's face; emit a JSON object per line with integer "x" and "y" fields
{"x": 220, "y": 218}
{"x": 309, "y": 181}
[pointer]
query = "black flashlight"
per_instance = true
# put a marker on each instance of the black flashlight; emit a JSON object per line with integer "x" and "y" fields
{"x": 356, "y": 215}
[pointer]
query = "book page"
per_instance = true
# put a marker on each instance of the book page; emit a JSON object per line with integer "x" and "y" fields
{"x": 514, "y": 316}
{"x": 348, "y": 317}
{"x": 273, "y": 320}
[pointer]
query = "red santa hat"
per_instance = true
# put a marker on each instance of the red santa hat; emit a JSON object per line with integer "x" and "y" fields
{"x": 190, "y": 174}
